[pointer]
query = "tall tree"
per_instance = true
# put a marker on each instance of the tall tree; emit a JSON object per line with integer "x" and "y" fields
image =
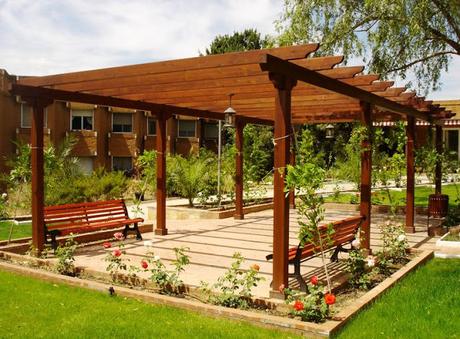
{"x": 247, "y": 40}
{"x": 395, "y": 36}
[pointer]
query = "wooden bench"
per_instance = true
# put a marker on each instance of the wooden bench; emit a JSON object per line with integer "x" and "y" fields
{"x": 87, "y": 217}
{"x": 344, "y": 233}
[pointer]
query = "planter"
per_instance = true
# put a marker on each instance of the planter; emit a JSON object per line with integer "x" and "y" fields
{"x": 447, "y": 249}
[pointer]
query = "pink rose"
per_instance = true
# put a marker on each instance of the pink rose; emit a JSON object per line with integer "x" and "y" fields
{"x": 107, "y": 245}
{"x": 281, "y": 288}
{"x": 118, "y": 236}
{"x": 314, "y": 280}
{"x": 116, "y": 253}
{"x": 255, "y": 267}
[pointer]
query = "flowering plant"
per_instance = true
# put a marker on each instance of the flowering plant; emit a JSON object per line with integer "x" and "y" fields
{"x": 66, "y": 259}
{"x": 362, "y": 269}
{"x": 314, "y": 306}
{"x": 234, "y": 288}
{"x": 394, "y": 243}
{"x": 117, "y": 262}
{"x": 168, "y": 281}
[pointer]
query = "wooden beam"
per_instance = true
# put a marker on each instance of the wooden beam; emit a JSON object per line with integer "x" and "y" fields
{"x": 282, "y": 131}
{"x": 274, "y": 64}
{"x": 160, "y": 227}
{"x": 202, "y": 62}
{"x": 366, "y": 176}
{"x": 54, "y": 94}
{"x": 410, "y": 168}
{"x": 239, "y": 142}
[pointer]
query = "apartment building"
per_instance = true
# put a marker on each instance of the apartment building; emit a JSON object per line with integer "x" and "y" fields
{"x": 107, "y": 137}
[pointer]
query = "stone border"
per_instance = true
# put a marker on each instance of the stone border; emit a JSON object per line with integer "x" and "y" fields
{"x": 446, "y": 249}
{"x": 381, "y": 209}
{"x": 187, "y": 213}
{"x": 326, "y": 329}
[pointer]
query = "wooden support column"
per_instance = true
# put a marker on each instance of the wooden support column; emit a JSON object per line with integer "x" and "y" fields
{"x": 438, "y": 170}
{"x": 160, "y": 228}
{"x": 282, "y": 139}
{"x": 38, "y": 187}
{"x": 366, "y": 176}
{"x": 239, "y": 213}
{"x": 410, "y": 168}
{"x": 292, "y": 163}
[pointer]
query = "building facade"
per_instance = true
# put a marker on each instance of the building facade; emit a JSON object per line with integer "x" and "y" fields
{"x": 107, "y": 137}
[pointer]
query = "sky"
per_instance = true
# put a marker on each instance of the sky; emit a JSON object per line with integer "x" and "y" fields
{"x": 40, "y": 37}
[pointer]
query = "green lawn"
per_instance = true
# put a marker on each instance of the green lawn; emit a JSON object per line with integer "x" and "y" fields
{"x": 33, "y": 309}
{"x": 424, "y": 305}
{"x": 381, "y": 198}
{"x": 19, "y": 231}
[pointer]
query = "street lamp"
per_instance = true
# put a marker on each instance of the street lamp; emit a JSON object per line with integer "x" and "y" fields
{"x": 330, "y": 131}
{"x": 229, "y": 121}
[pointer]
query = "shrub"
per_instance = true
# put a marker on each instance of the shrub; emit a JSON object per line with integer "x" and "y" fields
{"x": 168, "y": 281}
{"x": 314, "y": 306}
{"x": 362, "y": 269}
{"x": 234, "y": 288}
{"x": 66, "y": 258}
{"x": 394, "y": 243}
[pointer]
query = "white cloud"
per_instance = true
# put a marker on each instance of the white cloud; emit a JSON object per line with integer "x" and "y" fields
{"x": 51, "y": 36}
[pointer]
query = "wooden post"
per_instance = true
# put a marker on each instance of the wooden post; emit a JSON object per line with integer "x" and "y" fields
{"x": 160, "y": 228}
{"x": 438, "y": 170}
{"x": 366, "y": 176}
{"x": 38, "y": 187}
{"x": 410, "y": 168}
{"x": 282, "y": 131}
{"x": 239, "y": 213}
{"x": 292, "y": 163}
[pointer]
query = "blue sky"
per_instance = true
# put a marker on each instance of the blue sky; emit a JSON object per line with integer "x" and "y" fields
{"x": 40, "y": 37}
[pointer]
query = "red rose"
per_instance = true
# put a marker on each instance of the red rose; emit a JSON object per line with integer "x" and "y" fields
{"x": 314, "y": 280}
{"x": 298, "y": 305}
{"x": 255, "y": 267}
{"x": 116, "y": 253}
{"x": 118, "y": 236}
{"x": 107, "y": 245}
{"x": 144, "y": 264}
{"x": 329, "y": 298}
{"x": 281, "y": 288}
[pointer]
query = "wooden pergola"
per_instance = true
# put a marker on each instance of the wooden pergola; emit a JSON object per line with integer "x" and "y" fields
{"x": 279, "y": 86}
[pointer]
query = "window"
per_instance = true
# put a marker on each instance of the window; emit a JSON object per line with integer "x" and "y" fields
{"x": 124, "y": 164}
{"x": 82, "y": 119}
{"x": 151, "y": 126}
{"x": 85, "y": 164}
{"x": 452, "y": 140}
{"x": 122, "y": 122}
{"x": 26, "y": 116}
{"x": 186, "y": 128}
{"x": 210, "y": 131}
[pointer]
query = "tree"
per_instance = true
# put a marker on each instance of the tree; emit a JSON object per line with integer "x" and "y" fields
{"x": 397, "y": 36}
{"x": 247, "y": 40}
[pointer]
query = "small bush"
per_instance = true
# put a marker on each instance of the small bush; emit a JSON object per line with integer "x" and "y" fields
{"x": 66, "y": 258}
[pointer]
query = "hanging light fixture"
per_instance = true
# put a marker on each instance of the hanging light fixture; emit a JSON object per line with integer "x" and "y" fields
{"x": 230, "y": 113}
{"x": 329, "y": 131}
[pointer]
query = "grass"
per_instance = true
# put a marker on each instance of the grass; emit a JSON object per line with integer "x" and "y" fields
{"x": 34, "y": 309}
{"x": 424, "y": 305}
{"x": 19, "y": 231}
{"x": 381, "y": 198}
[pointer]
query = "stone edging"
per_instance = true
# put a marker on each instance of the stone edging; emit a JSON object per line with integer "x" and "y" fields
{"x": 325, "y": 329}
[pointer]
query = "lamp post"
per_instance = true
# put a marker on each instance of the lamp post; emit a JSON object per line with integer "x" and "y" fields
{"x": 329, "y": 131}
{"x": 229, "y": 121}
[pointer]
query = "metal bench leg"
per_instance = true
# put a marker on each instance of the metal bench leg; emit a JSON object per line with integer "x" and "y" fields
{"x": 335, "y": 254}
{"x": 135, "y": 228}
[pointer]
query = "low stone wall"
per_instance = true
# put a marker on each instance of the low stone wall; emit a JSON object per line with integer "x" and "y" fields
{"x": 187, "y": 213}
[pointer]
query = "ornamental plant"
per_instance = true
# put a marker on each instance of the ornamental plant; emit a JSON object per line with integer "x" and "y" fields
{"x": 308, "y": 178}
{"x": 117, "y": 263}
{"x": 362, "y": 269}
{"x": 234, "y": 288}
{"x": 314, "y": 306}
{"x": 66, "y": 257}
{"x": 168, "y": 281}
{"x": 394, "y": 243}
